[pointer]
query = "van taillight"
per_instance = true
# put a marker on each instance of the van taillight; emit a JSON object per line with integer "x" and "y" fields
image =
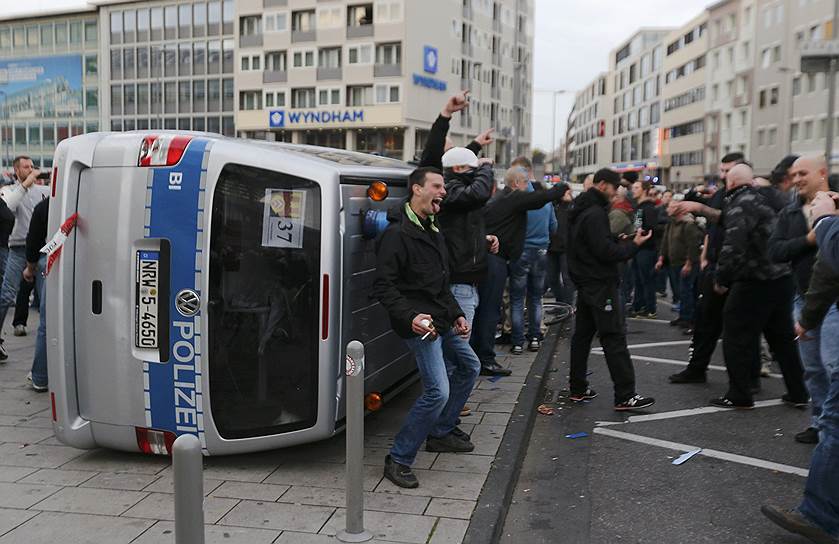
{"x": 52, "y": 399}
{"x": 155, "y": 442}
{"x": 165, "y": 150}
{"x": 54, "y": 179}
{"x": 324, "y": 324}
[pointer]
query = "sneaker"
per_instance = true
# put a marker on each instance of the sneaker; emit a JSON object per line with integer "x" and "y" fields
{"x": 460, "y": 433}
{"x": 687, "y": 376}
{"x": 517, "y": 350}
{"x": 494, "y": 369}
{"x": 3, "y": 354}
{"x": 766, "y": 369}
{"x": 400, "y": 475}
{"x": 588, "y": 394}
{"x": 647, "y": 315}
{"x": 634, "y": 403}
{"x": 725, "y": 402}
{"x": 503, "y": 338}
{"x": 662, "y": 294}
{"x": 794, "y": 522}
{"x": 20, "y": 330}
{"x": 36, "y": 388}
{"x": 451, "y": 443}
{"x": 534, "y": 345}
{"x": 795, "y": 403}
{"x": 465, "y": 412}
{"x": 687, "y": 331}
{"x": 676, "y": 322}
{"x": 810, "y": 435}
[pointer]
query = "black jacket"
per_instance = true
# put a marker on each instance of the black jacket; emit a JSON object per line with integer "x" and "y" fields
{"x": 432, "y": 153}
{"x": 788, "y": 244}
{"x": 748, "y": 218}
{"x": 462, "y": 222}
{"x": 593, "y": 253}
{"x": 7, "y": 223}
{"x": 646, "y": 218}
{"x": 824, "y": 282}
{"x": 560, "y": 236}
{"x": 506, "y": 216}
{"x": 412, "y": 273}
{"x": 36, "y": 238}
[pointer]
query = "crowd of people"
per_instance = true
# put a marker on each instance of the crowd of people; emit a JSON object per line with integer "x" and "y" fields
{"x": 751, "y": 260}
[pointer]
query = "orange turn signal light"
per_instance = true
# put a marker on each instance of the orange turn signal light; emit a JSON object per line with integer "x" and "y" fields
{"x": 373, "y": 401}
{"x": 377, "y": 191}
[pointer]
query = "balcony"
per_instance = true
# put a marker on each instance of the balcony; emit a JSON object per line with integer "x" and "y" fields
{"x": 496, "y": 25}
{"x": 250, "y": 40}
{"x": 303, "y": 36}
{"x": 274, "y": 3}
{"x": 387, "y": 70}
{"x": 280, "y": 76}
{"x": 327, "y": 73}
{"x": 360, "y": 31}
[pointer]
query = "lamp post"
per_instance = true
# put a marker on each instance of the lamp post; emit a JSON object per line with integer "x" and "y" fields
{"x": 554, "y": 94}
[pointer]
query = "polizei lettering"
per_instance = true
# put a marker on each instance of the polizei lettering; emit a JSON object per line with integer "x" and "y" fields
{"x": 185, "y": 351}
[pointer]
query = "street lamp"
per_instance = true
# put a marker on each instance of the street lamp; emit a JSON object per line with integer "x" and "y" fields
{"x": 554, "y": 94}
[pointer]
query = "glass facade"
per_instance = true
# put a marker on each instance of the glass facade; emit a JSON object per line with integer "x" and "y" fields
{"x": 63, "y": 99}
{"x": 172, "y": 66}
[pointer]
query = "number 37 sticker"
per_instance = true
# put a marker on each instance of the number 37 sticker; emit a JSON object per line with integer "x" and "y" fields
{"x": 283, "y": 218}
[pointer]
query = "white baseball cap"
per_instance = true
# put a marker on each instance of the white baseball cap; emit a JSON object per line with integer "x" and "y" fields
{"x": 459, "y": 156}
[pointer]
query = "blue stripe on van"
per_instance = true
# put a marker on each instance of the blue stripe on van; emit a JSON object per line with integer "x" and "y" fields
{"x": 174, "y": 388}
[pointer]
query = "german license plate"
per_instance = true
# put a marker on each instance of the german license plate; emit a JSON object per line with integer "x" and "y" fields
{"x": 148, "y": 294}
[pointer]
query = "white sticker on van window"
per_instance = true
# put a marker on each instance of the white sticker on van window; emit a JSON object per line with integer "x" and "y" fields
{"x": 283, "y": 218}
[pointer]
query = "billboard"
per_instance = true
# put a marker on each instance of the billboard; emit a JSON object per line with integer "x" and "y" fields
{"x": 42, "y": 86}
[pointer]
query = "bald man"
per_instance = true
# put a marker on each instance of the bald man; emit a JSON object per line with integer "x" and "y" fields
{"x": 794, "y": 242}
{"x": 759, "y": 291}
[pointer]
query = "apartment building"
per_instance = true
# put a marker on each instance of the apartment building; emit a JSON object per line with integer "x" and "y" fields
{"x": 49, "y": 83}
{"x": 683, "y": 119}
{"x": 729, "y": 81}
{"x": 373, "y": 75}
{"x": 637, "y": 81}
{"x": 592, "y": 143}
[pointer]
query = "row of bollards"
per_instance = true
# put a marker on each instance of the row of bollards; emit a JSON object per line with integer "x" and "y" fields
{"x": 187, "y": 463}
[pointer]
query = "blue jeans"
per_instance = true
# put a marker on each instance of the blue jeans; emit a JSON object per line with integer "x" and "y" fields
{"x": 436, "y": 411}
{"x": 466, "y": 296}
{"x": 4, "y": 256}
{"x": 490, "y": 295}
{"x": 39, "y": 363}
{"x": 643, "y": 268}
{"x": 821, "y": 494}
{"x": 558, "y": 278}
{"x": 674, "y": 274}
{"x": 11, "y": 280}
{"x": 686, "y": 292}
{"x": 818, "y": 357}
{"x": 527, "y": 277}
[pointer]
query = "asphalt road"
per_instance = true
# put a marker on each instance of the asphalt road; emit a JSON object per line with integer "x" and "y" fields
{"x": 618, "y": 484}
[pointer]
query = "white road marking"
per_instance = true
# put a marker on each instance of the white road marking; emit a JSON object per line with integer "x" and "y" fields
{"x": 684, "y": 413}
{"x": 722, "y": 455}
{"x": 655, "y": 344}
{"x": 647, "y": 320}
{"x": 598, "y": 351}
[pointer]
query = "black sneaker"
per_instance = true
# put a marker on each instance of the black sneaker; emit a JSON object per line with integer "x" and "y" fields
{"x": 794, "y": 522}
{"x": 725, "y": 402}
{"x": 460, "y": 433}
{"x": 678, "y": 322}
{"x": 687, "y": 376}
{"x": 517, "y": 350}
{"x": 504, "y": 338}
{"x": 450, "y": 443}
{"x": 534, "y": 345}
{"x": 795, "y": 403}
{"x": 810, "y": 435}
{"x": 494, "y": 369}
{"x": 588, "y": 394}
{"x": 634, "y": 403}
{"x": 400, "y": 475}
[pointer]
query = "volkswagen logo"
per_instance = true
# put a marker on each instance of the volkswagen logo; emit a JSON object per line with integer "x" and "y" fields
{"x": 187, "y": 302}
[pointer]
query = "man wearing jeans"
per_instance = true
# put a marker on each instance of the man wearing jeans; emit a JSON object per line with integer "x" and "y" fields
{"x": 794, "y": 241}
{"x": 643, "y": 264}
{"x": 21, "y": 199}
{"x": 817, "y": 517}
{"x": 34, "y": 273}
{"x": 412, "y": 283}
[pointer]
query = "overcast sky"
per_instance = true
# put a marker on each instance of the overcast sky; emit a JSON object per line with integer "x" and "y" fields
{"x": 572, "y": 43}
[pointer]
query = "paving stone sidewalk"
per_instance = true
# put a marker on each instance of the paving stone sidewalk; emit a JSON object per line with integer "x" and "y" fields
{"x": 53, "y": 493}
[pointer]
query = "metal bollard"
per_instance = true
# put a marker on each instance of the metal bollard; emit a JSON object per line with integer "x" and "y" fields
{"x": 187, "y": 463}
{"x": 355, "y": 446}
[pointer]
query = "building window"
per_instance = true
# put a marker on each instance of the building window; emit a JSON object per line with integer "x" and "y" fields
{"x": 275, "y": 22}
{"x": 304, "y": 59}
{"x": 389, "y": 53}
{"x": 360, "y": 95}
{"x": 303, "y": 21}
{"x": 329, "y": 97}
{"x": 329, "y": 57}
{"x": 761, "y": 101}
{"x": 303, "y": 98}
{"x": 250, "y": 26}
{"x": 360, "y": 54}
{"x": 387, "y": 94}
{"x": 773, "y": 95}
{"x": 388, "y": 11}
{"x": 275, "y": 61}
{"x": 361, "y": 15}
{"x": 330, "y": 17}
{"x": 250, "y": 100}
{"x": 793, "y": 131}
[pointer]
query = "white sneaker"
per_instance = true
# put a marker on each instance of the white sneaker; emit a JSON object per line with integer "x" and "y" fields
{"x": 38, "y": 388}
{"x": 20, "y": 330}
{"x": 3, "y": 354}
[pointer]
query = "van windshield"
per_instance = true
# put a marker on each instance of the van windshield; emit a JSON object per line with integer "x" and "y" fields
{"x": 264, "y": 302}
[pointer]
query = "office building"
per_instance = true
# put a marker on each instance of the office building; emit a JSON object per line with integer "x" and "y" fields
{"x": 592, "y": 144}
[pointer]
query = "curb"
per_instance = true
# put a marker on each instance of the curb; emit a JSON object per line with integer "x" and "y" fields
{"x": 487, "y": 522}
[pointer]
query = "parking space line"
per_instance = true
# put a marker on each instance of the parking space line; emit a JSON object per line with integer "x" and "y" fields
{"x": 598, "y": 351}
{"x": 715, "y": 454}
{"x": 655, "y": 344}
{"x": 685, "y": 413}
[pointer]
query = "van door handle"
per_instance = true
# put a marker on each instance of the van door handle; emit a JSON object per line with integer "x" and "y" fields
{"x": 96, "y": 303}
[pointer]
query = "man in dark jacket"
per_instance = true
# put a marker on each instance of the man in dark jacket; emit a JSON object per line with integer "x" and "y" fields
{"x": 506, "y": 218}
{"x": 412, "y": 283}
{"x": 438, "y": 142}
{"x": 817, "y": 517}
{"x": 646, "y": 219}
{"x": 760, "y": 295}
{"x": 593, "y": 257}
{"x": 559, "y": 281}
{"x": 36, "y": 263}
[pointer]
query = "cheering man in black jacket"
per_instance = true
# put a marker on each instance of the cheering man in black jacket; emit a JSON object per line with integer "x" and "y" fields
{"x": 593, "y": 257}
{"x": 412, "y": 283}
